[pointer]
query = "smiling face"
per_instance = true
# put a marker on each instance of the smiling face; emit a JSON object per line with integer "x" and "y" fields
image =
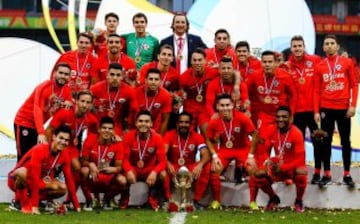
{"x": 140, "y": 24}
{"x": 60, "y": 141}
{"x": 297, "y": 48}
{"x": 225, "y": 107}
{"x": 83, "y": 44}
{"x": 165, "y": 56}
{"x": 106, "y": 131}
{"x": 242, "y": 54}
{"x": 114, "y": 45}
{"x": 283, "y": 120}
{"x": 198, "y": 62}
{"x": 143, "y": 123}
{"x": 179, "y": 25}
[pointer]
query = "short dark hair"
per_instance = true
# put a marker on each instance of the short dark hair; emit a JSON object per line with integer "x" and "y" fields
{"x": 87, "y": 35}
{"x": 297, "y": 38}
{"x": 111, "y": 14}
{"x": 115, "y": 65}
{"x": 84, "y": 92}
{"x": 63, "y": 129}
{"x": 166, "y": 46}
{"x": 226, "y": 59}
{"x": 268, "y": 52}
{"x": 223, "y": 96}
{"x": 153, "y": 70}
{"x": 186, "y": 19}
{"x": 284, "y": 107}
{"x": 114, "y": 35}
{"x": 106, "y": 120}
{"x": 143, "y": 112}
{"x": 62, "y": 64}
{"x": 331, "y": 36}
{"x": 139, "y": 15}
{"x": 242, "y": 43}
{"x": 222, "y": 31}
{"x": 185, "y": 113}
{"x": 200, "y": 50}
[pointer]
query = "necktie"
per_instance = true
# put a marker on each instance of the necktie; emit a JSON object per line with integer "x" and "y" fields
{"x": 180, "y": 44}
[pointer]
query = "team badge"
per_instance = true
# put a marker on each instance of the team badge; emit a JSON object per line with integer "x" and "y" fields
{"x": 322, "y": 115}
{"x": 151, "y": 149}
{"x": 276, "y": 83}
{"x": 110, "y": 155}
{"x": 25, "y": 132}
{"x": 157, "y": 105}
{"x": 309, "y": 64}
{"x": 122, "y": 100}
{"x": 288, "y": 145}
{"x": 338, "y": 67}
{"x": 146, "y": 47}
{"x": 192, "y": 147}
{"x": 167, "y": 83}
{"x": 237, "y": 129}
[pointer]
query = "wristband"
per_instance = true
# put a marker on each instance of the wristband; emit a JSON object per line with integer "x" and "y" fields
{"x": 214, "y": 156}
{"x": 250, "y": 156}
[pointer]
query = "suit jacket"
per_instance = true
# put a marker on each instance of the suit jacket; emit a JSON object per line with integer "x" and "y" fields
{"x": 193, "y": 42}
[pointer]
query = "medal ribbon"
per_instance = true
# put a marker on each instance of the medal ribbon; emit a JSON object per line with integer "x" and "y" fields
{"x": 182, "y": 150}
{"x": 199, "y": 88}
{"x": 101, "y": 157}
{"x": 164, "y": 78}
{"x": 78, "y": 70}
{"x": 53, "y": 164}
{"x": 53, "y": 92}
{"x": 139, "y": 49}
{"x": 78, "y": 128}
{"x": 332, "y": 69}
{"x": 112, "y": 102}
{"x": 142, "y": 152}
{"x": 268, "y": 90}
{"x": 228, "y": 134}
{"x": 147, "y": 101}
{"x": 281, "y": 145}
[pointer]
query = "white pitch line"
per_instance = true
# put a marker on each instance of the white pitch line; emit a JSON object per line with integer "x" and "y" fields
{"x": 178, "y": 218}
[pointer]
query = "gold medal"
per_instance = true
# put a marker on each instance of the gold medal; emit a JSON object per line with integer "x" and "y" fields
{"x": 199, "y": 98}
{"x": 301, "y": 80}
{"x": 137, "y": 59}
{"x": 332, "y": 83}
{"x": 111, "y": 113}
{"x": 78, "y": 80}
{"x": 181, "y": 161}
{"x": 267, "y": 99}
{"x": 229, "y": 144}
{"x": 47, "y": 179}
{"x": 140, "y": 164}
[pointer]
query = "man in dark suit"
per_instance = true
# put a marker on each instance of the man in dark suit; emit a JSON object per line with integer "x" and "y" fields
{"x": 182, "y": 42}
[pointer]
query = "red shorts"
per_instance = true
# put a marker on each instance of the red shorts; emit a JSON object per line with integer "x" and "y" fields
{"x": 285, "y": 175}
{"x": 142, "y": 174}
{"x": 226, "y": 155}
{"x": 103, "y": 183}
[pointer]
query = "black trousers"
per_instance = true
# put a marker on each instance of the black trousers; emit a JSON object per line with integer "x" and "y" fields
{"x": 328, "y": 119}
{"x": 306, "y": 119}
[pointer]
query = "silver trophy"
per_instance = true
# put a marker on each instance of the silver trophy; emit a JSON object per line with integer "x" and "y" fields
{"x": 181, "y": 199}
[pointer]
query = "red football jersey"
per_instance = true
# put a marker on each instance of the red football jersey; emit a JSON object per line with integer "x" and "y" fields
{"x": 46, "y": 99}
